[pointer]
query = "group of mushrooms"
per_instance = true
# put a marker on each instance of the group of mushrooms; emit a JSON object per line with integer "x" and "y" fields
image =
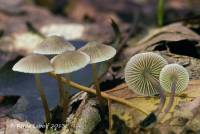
{"x": 65, "y": 61}
{"x": 149, "y": 74}
{"x": 146, "y": 74}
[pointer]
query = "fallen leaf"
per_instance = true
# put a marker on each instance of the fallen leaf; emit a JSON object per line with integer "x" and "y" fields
{"x": 132, "y": 117}
{"x": 166, "y": 36}
{"x": 172, "y": 32}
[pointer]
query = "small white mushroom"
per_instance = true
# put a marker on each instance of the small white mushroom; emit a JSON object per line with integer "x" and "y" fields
{"x": 141, "y": 69}
{"x": 69, "y": 61}
{"x": 66, "y": 63}
{"x": 36, "y": 64}
{"x": 174, "y": 78}
{"x": 98, "y": 52}
{"x": 54, "y": 45}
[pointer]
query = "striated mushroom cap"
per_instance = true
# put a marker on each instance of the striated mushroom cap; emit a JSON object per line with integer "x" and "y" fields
{"x": 54, "y": 45}
{"x": 33, "y": 64}
{"x": 69, "y": 61}
{"x": 98, "y": 52}
{"x": 139, "y": 71}
{"x": 174, "y": 73}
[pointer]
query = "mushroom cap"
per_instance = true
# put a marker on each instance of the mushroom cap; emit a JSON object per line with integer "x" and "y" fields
{"x": 33, "y": 64}
{"x": 69, "y": 61}
{"x": 54, "y": 45}
{"x": 140, "y": 68}
{"x": 171, "y": 73}
{"x": 98, "y": 52}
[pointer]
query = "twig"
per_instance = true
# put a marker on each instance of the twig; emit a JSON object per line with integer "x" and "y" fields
{"x": 104, "y": 95}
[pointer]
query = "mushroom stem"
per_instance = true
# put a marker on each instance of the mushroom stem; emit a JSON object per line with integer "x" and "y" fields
{"x": 158, "y": 110}
{"x": 66, "y": 98}
{"x": 162, "y": 100}
{"x": 104, "y": 95}
{"x": 61, "y": 90}
{"x": 171, "y": 100}
{"x": 43, "y": 97}
{"x": 110, "y": 115}
{"x": 156, "y": 83}
{"x": 95, "y": 77}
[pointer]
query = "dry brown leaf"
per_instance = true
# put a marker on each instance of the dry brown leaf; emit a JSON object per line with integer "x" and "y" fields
{"x": 167, "y": 36}
{"x": 148, "y": 104}
{"x": 172, "y": 32}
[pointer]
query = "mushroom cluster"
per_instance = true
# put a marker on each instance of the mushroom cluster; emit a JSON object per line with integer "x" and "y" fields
{"x": 65, "y": 61}
{"x": 146, "y": 74}
{"x": 142, "y": 75}
{"x": 149, "y": 74}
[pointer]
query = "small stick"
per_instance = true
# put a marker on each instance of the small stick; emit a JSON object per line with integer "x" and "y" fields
{"x": 104, "y": 95}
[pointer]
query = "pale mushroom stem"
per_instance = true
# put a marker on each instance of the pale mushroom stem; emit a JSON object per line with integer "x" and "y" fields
{"x": 110, "y": 115}
{"x": 66, "y": 96}
{"x": 171, "y": 100}
{"x": 158, "y": 110}
{"x": 43, "y": 97}
{"x": 95, "y": 77}
{"x": 156, "y": 83}
{"x": 61, "y": 90}
{"x": 162, "y": 99}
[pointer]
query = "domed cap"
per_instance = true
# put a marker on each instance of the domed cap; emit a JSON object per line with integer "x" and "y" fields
{"x": 98, "y": 52}
{"x": 69, "y": 61}
{"x": 54, "y": 45}
{"x": 174, "y": 73}
{"x": 139, "y": 71}
{"x": 33, "y": 64}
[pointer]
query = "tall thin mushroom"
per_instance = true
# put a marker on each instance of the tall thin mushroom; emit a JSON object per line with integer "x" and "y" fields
{"x": 174, "y": 79}
{"x": 98, "y": 52}
{"x": 36, "y": 64}
{"x": 142, "y": 75}
{"x": 67, "y": 63}
{"x": 54, "y": 45}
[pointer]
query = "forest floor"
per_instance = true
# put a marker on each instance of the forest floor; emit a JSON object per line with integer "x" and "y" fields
{"x": 129, "y": 26}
